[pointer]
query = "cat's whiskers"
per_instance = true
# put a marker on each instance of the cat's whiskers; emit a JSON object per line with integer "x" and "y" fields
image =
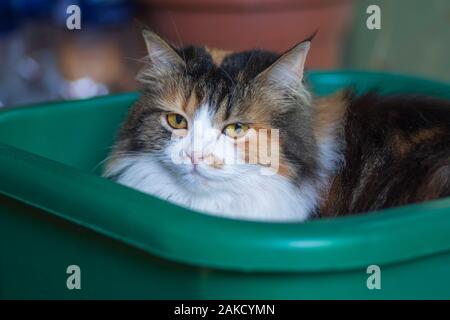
{"x": 114, "y": 156}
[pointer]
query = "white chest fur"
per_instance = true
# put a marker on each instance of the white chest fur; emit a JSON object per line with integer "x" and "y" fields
{"x": 254, "y": 197}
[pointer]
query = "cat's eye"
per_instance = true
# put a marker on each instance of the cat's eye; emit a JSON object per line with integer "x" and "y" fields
{"x": 236, "y": 130}
{"x": 176, "y": 121}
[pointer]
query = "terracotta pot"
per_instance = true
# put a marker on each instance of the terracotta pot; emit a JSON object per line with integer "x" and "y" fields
{"x": 245, "y": 24}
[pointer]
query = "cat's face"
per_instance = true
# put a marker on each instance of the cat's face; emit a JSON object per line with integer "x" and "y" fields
{"x": 214, "y": 119}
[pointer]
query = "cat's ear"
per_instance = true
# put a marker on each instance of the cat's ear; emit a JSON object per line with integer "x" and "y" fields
{"x": 161, "y": 55}
{"x": 287, "y": 71}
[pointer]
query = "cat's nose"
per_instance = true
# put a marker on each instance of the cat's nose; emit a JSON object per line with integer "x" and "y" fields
{"x": 196, "y": 157}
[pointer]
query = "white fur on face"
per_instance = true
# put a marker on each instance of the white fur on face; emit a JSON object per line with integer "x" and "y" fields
{"x": 194, "y": 154}
{"x": 182, "y": 174}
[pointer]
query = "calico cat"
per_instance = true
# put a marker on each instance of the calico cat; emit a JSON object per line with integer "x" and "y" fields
{"x": 337, "y": 155}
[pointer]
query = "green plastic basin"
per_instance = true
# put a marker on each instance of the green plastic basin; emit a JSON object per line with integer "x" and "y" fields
{"x": 56, "y": 211}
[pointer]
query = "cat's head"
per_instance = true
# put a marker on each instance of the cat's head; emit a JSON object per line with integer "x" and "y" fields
{"x": 215, "y": 119}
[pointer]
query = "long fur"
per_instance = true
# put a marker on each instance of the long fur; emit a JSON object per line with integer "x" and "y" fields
{"x": 338, "y": 155}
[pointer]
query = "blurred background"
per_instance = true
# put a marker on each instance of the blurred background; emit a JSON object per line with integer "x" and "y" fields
{"x": 41, "y": 60}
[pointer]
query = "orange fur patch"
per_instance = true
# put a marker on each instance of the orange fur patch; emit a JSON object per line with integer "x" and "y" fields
{"x": 332, "y": 197}
{"x": 329, "y": 112}
{"x": 426, "y": 134}
{"x": 400, "y": 145}
{"x": 173, "y": 99}
{"x": 217, "y": 55}
{"x": 403, "y": 144}
{"x": 191, "y": 103}
{"x": 251, "y": 146}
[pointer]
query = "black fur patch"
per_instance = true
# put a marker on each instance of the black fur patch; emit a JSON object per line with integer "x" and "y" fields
{"x": 397, "y": 152}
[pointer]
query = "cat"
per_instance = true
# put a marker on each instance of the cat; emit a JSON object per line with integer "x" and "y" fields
{"x": 337, "y": 155}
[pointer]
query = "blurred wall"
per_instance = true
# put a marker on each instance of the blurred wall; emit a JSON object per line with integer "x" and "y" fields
{"x": 238, "y": 25}
{"x": 414, "y": 38}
